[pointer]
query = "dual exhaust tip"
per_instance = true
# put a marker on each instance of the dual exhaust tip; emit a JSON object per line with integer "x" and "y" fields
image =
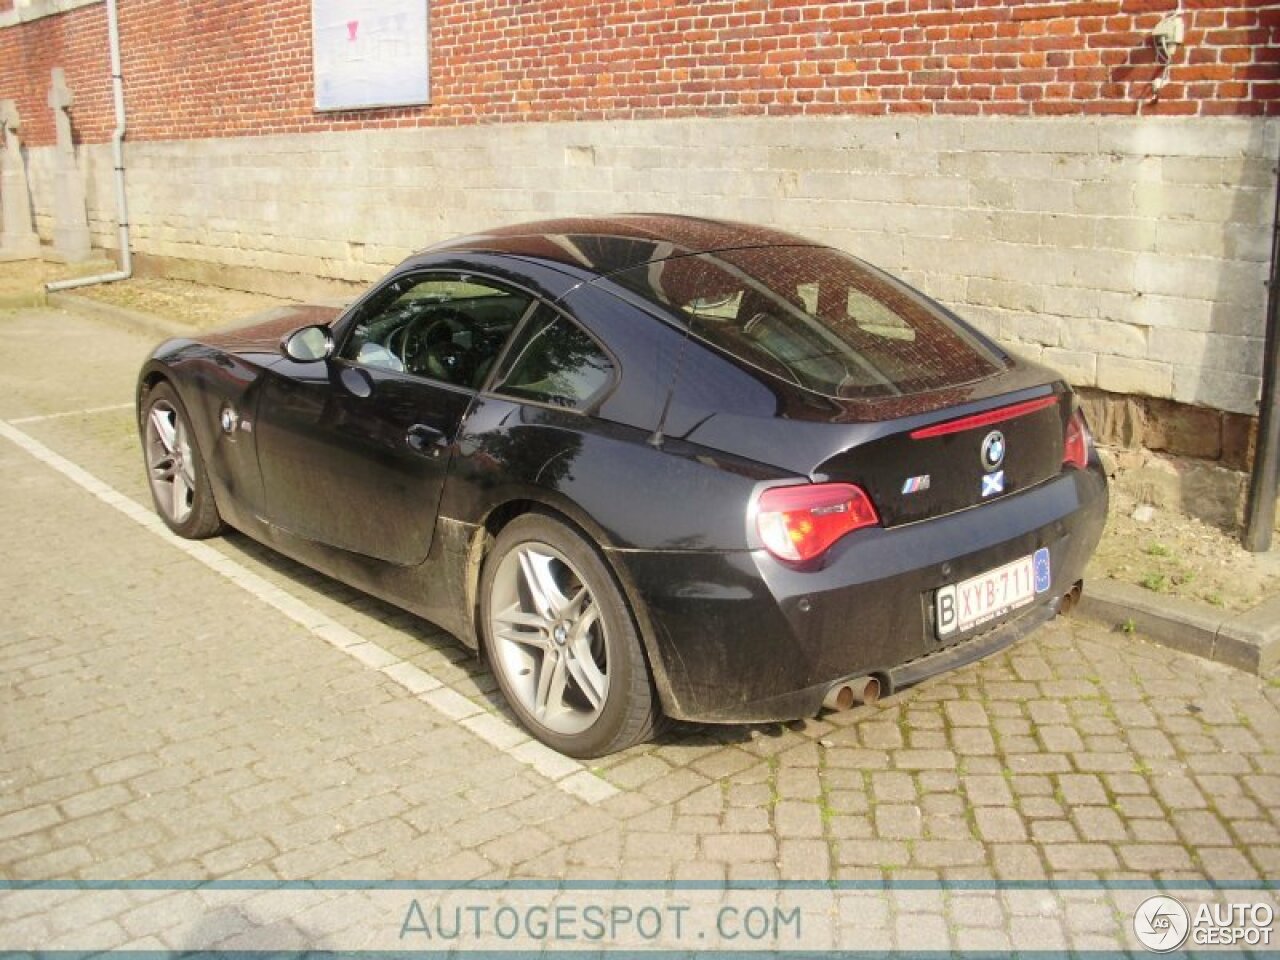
{"x": 847, "y": 694}
{"x": 1070, "y": 599}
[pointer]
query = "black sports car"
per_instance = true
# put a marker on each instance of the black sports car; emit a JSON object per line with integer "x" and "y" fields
{"x": 651, "y": 465}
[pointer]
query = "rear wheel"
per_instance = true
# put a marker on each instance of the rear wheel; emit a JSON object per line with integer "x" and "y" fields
{"x": 561, "y": 641}
{"x": 179, "y": 484}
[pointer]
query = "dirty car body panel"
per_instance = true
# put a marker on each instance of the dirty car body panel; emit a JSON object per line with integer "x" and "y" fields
{"x": 730, "y": 362}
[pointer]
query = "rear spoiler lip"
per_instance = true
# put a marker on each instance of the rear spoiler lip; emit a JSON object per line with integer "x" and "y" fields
{"x": 987, "y": 418}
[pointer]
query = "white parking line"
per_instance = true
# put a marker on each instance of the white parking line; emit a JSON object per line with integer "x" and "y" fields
{"x": 72, "y": 413}
{"x": 493, "y": 728}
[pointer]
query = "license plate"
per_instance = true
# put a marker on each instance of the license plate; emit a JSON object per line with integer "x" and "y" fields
{"x": 989, "y": 596}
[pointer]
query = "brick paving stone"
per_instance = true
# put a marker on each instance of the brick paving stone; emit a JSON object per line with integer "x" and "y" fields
{"x": 1017, "y": 862}
{"x": 62, "y": 862}
{"x": 1150, "y": 858}
{"x": 947, "y": 853}
{"x": 1153, "y": 831}
{"x": 1200, "y": 829}
{"x": 963, "y": 713}
{"x": 219, "y": 738}
{"x": 924, "y": 760}
{"x": 1053, "y": 832}
{"x": 1000, "y": 825}
{"x": 856, "y": 826}
{"x": 736, "y": 848}
{"x": 893, "y": 786}
{"x": 749, "y": 795}
{"x": 28, "y": 821}
{"x": 1042, "y": 807}
{"x": 944, "y": 805}
{"x": 948, "y": 828}
{"x": 927, "y": 740}
{"x": 859, "y": 759}
{"x": 804, "y": 859}
{"x": 636, "y": 772}
{"x": 1098, "y": 824}
{"x": 798, "y": 783}
{"x": 878, "y": 735}
{"x": 675, "y": 785}
{"x": 987, "y": 790}
{"x": 796, "y": 818}
{"x": 973, "y": 741}
{"x": 898, "y": 822}
{"x": 876, "y": 853}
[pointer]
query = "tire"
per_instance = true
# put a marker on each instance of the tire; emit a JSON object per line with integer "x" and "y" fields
{"x": 176, "y": 473}
{"x": 562, "y": 643}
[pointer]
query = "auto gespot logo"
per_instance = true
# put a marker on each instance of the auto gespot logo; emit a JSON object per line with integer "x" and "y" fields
{"x": 1163, "y": 924}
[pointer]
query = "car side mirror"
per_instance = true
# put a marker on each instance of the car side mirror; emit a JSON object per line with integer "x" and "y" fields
{"x": 308, "y": 345}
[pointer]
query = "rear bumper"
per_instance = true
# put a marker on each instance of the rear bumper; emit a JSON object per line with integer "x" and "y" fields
{"x": 743, "y": 638}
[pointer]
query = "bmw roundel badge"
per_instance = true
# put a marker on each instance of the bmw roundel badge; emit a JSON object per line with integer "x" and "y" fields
{"x": 992, "y": 450}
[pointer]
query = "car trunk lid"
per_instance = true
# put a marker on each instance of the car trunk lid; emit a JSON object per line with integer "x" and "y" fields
{"x": 954, "y": 460}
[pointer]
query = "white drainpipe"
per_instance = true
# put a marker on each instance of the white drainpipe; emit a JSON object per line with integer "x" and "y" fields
{"x": 117, "y": 152}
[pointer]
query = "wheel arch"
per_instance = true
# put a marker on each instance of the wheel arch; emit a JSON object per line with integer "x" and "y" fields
{"x": 571, "y": 515}
{"x": 151, "y": 375}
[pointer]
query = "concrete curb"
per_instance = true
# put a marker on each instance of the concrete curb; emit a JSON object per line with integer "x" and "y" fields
{"x": 1248, "y": 641}
{"x": 122, "y": 316}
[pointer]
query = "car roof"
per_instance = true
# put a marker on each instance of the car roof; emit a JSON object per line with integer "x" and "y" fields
{"x": 604, "y": 245}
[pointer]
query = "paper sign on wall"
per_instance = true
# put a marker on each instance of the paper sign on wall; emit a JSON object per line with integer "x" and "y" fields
{"x": 370, "y": 53}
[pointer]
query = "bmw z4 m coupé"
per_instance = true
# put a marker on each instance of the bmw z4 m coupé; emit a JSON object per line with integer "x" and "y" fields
{"x": 651, "y": 465}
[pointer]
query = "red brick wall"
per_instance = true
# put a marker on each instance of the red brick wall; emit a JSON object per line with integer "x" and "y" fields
{"x": 212, "y": 68}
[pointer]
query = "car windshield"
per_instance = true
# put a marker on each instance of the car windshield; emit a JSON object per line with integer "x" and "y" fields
{"x": 818, "y": 318}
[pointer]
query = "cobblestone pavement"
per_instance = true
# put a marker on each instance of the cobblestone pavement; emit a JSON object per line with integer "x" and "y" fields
{"x": 157, "y": 720}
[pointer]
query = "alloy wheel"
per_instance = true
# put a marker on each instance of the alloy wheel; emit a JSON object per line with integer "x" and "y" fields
{"x": 549, "y": 638}
{"x": 169, "y": 462}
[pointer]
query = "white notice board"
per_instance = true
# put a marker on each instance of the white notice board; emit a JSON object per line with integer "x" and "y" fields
{"x": 370, "y": 53}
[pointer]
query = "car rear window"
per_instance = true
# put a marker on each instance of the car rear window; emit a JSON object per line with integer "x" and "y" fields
{"x": 818, "y": 318}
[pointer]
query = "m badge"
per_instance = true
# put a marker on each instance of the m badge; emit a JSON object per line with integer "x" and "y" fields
{"x": 993, "y": 483}
{"x": 915, "y": 484}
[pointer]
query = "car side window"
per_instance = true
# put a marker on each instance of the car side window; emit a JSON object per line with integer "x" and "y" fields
{"x": 446, "y": 327}
{"x": 555, "y": 361}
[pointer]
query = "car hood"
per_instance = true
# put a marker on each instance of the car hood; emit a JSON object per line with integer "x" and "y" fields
{"x": 262, "y": 332}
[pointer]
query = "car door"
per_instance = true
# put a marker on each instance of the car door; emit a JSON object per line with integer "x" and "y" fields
{"x": 354, "y": 449}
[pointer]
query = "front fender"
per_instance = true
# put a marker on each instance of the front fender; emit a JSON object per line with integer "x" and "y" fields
{"x": 209, "y": 381}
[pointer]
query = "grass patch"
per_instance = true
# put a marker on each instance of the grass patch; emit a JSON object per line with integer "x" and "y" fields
{"x": 1155, "y": 582}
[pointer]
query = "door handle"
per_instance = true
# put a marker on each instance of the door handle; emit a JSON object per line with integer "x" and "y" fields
{"x": 425, "y": 439}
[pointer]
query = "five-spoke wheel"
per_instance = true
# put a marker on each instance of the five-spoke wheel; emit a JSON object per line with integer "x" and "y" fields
{"x": 179, "y": 484}
{"x": 562, "y": 642}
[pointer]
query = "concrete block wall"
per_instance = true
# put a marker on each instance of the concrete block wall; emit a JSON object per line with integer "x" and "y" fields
{"x": 1129, "y": 253}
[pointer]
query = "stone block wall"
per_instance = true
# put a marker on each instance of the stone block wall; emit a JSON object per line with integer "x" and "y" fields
{"x": 1131, "y": 254}
{"x": 1007, "y": 157}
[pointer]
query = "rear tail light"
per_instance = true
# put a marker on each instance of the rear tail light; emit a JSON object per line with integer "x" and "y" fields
{"x": 799, "y": 523}
{"x": 1075, "y": 444}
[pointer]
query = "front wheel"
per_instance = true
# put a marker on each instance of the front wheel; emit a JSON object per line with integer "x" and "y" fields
{"x": 561, "y": 641}
{"x": 175, "y": 470}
